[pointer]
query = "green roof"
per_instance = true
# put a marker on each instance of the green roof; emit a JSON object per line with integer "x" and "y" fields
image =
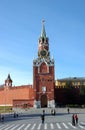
{"x": 43, "y": 33}
{"x": 72, "y": 79}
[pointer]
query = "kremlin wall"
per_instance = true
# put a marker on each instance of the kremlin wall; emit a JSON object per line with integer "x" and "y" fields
{"x": 17, "y": 96}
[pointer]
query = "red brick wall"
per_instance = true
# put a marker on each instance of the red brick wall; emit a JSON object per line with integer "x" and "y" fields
{"x": 20, "y": 92}
{"x": 23, "y": 103}
{"x": 43, "y": 79}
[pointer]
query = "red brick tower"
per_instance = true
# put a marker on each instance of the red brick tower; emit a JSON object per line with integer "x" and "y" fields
{"x": 43, "y": 74}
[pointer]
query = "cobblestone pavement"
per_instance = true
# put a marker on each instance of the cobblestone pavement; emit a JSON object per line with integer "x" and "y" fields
{"x": 31, "y": 120}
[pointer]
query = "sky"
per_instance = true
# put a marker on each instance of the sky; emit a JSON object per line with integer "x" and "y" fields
{"x": 20, "y": 29}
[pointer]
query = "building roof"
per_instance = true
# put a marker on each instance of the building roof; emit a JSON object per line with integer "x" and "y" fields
{"x": 72, "y": 79}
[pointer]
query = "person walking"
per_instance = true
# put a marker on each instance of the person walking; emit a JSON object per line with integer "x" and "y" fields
{"x": 68, "y": 110}
{"x": 43, "y": 112}
{"x": 42, "y": 118}
{"x": 76, "y": 118}
{"x": 73, "y": 119}
{"x": 53, "y": 112}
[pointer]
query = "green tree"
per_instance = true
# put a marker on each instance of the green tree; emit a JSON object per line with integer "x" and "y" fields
{"x": 68, "y": 84}
{"x": 70, "y": 92}
{"x": 82, "y": 90}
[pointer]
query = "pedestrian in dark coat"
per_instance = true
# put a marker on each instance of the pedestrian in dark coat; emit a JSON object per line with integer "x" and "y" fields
{"x": 76, "y": 119}
{"x": 68, "y": 110}
{"x": 43, "y": 112}
{"x": 14, "y": 115}
{"x": 73, "y": 119}
{"x": 2, "y": 118}
{"x": 42, "y": 118}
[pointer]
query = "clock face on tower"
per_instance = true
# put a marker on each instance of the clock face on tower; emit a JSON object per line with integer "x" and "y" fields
{"x": 43, "y": 53}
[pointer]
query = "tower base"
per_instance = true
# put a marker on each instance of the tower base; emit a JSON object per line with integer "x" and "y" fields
{"x": 50, "y": 104}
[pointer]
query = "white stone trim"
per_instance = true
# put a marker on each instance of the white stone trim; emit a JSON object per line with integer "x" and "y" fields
{"x": 51, "y": 103}
{"x": 46, "y": 65}
{"x": 37, "y": 104}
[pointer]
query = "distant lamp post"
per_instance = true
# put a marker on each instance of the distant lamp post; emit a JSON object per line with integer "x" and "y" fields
{"x": 4, "y": 100}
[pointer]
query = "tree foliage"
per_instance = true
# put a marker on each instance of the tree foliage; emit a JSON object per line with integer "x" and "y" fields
{"x": 82, "y": 90}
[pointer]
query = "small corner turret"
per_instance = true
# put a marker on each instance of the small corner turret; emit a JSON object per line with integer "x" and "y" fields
{"x": 8, "y": 81}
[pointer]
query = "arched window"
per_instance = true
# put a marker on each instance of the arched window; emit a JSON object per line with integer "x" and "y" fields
{"x": 43, "y": 68}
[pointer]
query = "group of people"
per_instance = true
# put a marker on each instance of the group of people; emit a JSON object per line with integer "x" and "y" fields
{"x": 74, "y": 119}
{"x": 2, "y": 117}
{"x": 15, "y": 115}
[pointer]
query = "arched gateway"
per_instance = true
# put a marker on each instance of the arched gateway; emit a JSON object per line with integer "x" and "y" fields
{"x": 44, "y": 101}
{"x": 43, "y": 74}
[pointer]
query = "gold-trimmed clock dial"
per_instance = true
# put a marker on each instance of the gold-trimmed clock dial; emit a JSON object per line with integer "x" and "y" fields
{"x": 43, "y": 53}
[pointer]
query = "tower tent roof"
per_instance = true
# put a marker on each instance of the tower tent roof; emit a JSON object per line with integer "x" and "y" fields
{"x": 8, "y": 78}
{"x": 43, "y": 33}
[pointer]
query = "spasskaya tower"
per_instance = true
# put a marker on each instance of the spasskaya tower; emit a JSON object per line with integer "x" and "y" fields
{"x": 43, "y": 74}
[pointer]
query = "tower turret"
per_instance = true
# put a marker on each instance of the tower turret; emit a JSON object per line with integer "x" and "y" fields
{"x": 8, "y": 81}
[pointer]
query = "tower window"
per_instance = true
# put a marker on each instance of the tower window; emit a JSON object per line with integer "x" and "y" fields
{"x": 43, "y": 39}
{"x": 43, "y": 89}
{"x": 39, "y": 40}
{"x": 43, "y": 68}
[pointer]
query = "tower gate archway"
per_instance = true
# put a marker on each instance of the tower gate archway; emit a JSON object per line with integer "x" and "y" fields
{"x": 44, "y": 101}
